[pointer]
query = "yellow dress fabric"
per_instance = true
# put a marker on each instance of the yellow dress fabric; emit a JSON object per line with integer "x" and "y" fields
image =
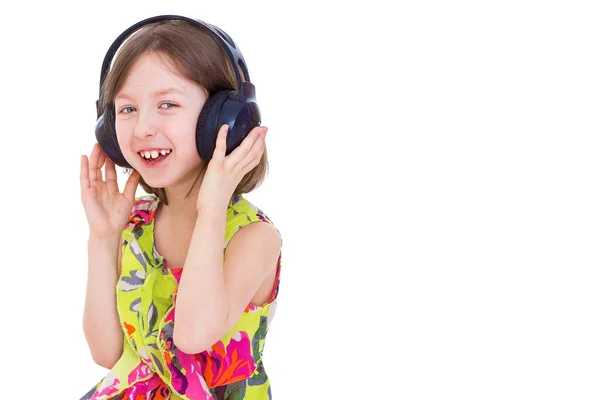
{"x": 151, "y": 366}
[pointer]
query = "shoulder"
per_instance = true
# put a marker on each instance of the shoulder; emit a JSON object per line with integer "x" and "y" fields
{"x": 259, "y": 236}
{"x": 242, "y": 213}
{"x": 143, "y": 211}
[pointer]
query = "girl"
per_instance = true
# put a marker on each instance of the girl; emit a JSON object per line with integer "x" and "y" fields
{"x": 195, "y": 292}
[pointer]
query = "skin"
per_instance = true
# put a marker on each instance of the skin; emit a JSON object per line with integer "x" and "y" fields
{"x": 214, "y": 289}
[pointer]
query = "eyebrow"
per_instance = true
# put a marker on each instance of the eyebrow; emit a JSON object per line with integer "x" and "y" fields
{"x": 156, "y": 93}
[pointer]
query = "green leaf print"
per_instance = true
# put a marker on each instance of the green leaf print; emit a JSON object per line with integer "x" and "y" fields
{"x": 151, "y": 261}
{"x": 233, "y": 391}
{"x": 138, "y": 232}
{"x": 259, "y": 377}
{"x": 158, "y": 364}
{"x": 135, "y": 305}
{"x": 152, "y": 318}
{"x": 259, "y": 336}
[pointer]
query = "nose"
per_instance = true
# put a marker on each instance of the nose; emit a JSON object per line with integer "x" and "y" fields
{"x": 145, "y": 126}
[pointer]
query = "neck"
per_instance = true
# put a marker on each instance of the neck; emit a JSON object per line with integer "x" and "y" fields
{"x": 181, "y": 208}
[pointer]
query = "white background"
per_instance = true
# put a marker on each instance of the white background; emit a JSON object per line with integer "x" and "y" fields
{"x": 434, "y": 175}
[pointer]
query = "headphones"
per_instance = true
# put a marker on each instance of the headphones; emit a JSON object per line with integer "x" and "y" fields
{"x": 238, "y": 109}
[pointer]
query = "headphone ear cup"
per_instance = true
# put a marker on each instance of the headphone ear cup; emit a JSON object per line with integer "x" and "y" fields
{"x": 241, "y": 114}
{"x": 106, "y": 136}
{"x": 208, "y": 125}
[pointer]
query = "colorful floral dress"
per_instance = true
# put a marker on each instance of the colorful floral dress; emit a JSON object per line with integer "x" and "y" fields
{"x": 151, "y": 366}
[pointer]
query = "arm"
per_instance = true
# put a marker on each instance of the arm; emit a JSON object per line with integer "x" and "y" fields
{"x": 214, "y": 291}
{"x": 101, "y": 323}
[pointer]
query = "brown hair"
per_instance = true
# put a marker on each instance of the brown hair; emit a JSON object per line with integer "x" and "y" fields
{"x": 197, "y": 56}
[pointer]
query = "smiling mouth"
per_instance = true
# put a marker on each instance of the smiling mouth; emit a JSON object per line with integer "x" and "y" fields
{"x": 154, "y": 156}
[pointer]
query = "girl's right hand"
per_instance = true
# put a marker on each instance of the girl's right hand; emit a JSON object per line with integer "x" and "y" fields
{"x": 106, "y": 209}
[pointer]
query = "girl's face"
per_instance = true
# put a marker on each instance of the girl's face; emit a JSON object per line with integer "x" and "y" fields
{"x": 157, "y": 112}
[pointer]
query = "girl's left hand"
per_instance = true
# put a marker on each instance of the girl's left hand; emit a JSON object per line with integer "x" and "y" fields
{"x": 224, "y": 173}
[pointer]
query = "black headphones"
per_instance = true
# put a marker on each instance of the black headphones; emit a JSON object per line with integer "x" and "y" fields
{"x": 239, "y": 109}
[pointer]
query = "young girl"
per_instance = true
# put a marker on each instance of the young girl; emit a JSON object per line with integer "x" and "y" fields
{"x": 195, "y": 292}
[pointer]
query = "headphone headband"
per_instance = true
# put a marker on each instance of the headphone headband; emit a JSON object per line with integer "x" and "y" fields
{"x": 235, "y": 55}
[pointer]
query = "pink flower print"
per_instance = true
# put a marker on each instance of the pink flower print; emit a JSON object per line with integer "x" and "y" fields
{"x": 221, "y": 367}
{"x": 196, "y": 385}
{"x": 139, "y": 373}
{"x": 109, "y": 385}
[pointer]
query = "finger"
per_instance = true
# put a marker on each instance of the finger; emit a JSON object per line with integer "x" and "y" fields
{"x": 221, "y": 144}
{"x": 254, "y": 155}
{"x": 111, "y": 173}
{"x": 101, "y": 161}
{"x": 84, "y": 179}
{"x": 244, "y": 148}
{"x": 93, "y": 176}
{"x": 111, "y": 176}
{"x": 131, "y": 185}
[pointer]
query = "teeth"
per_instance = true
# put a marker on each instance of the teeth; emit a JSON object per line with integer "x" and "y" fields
{"x": 154, "y": 153}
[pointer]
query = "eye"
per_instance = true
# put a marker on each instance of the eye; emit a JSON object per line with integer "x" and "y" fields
{"x": 167, "y": 105}
{"x": 127, "y": 110}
